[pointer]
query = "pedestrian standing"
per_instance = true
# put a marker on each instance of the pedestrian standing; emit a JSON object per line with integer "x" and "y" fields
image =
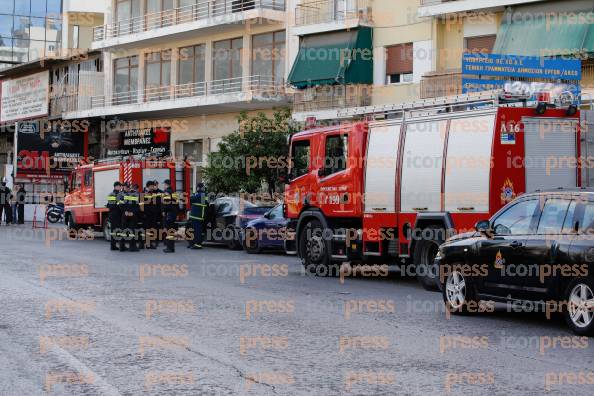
{"x": 5, "y": 196}
{"x": 21, "y": 196}
{"x": 115, "y": 215}
{"x": 197, "y": 213}
{"x": 170, "y": 203}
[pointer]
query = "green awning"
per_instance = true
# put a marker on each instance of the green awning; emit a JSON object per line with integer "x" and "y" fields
{"x": 547, "y": 29}
{"x": 344, "y": 57}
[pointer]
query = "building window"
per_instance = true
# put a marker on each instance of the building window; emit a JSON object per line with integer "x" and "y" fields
{"x": 399, "y": 63}
{"x": 191, "y": 70}
{"x": 126, "y": 12}
{"x": 227, "y": 69}
{"x": 480, "y": 44}
{"x": 268, "y": 55}
{"x": 190, "y": 150}
{"x": 126, "y": 80}
{"x": 75, "y": 36}
{"x": 159, "y": 13}
{"x": 26, "y": 27}
{"x": 157, "y": 77}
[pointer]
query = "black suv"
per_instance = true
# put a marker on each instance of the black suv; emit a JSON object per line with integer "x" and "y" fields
{"x": 537, "y": 252}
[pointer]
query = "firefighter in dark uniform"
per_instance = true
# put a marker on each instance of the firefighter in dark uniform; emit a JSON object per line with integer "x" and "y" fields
{"x": 158, "y": 193}
{"x": 197, "y": 213}
{"x": 130, "y": 211}
{"x": 115, "y": 215}
{"x": 170, "y": 204}
{"x": 152, "y": 212}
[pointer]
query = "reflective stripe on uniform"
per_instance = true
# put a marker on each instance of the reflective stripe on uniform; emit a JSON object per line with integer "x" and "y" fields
{"x": 196, "y": 218}
{"x": 130, "y": 198}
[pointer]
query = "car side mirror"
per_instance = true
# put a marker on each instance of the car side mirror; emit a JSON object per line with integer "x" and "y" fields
{"x": 322, "y": 172}
{"x": 484, "y": 227}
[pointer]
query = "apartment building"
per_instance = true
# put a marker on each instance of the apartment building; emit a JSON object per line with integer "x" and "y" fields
{"x": 47, "y": 70}
{"x": 189, "y": 66}
{"x": 417, "y": 47}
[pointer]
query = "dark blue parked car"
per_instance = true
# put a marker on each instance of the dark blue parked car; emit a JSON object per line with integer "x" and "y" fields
{"x": 266, "y": 232}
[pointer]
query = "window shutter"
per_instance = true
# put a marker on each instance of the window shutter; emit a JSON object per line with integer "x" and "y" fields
{"x": 482, "y": 44}
{"x": 399, "y": 59}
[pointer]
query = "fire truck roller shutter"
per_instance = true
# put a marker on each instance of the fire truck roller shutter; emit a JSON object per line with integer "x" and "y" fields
{"x": 380, "y": 168}
{"x": 159, "y": 175}
{"x": 468, "y": 161}
{"x": 422, "y": 166}
{"x": 103, "y": 185}
{"x": 549, "y": 144}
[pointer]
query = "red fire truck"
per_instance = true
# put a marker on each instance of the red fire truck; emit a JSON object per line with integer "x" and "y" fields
{"x": 84, "y": 205}
{"x": 392, "y": 188}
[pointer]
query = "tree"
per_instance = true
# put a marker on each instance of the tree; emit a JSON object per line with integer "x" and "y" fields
{"x": 255, "y": 154}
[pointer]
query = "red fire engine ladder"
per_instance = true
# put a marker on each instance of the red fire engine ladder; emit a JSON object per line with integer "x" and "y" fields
{"x": 444, "y": 104}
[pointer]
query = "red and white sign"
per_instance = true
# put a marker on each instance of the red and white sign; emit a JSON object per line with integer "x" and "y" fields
{"x": 25, "y": 97}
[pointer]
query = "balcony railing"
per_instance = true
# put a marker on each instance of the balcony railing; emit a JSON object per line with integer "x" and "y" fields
{"x": 331, "y": 97}
{"x": 253, "y": 84}
{"x": 322, "y": 11}
{"x": 176, "y": 16}
{"x": 438, "y": 84}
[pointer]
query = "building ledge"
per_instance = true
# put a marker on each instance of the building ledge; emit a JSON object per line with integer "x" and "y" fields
{"x": 430, "y": 8}
{"x": 130, "y": 33}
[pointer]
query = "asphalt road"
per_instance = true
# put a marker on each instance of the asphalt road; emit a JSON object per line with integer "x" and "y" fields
{"x": 78, "y": 319}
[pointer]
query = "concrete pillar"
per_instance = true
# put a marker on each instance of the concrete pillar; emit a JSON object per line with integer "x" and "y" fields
{"x": 208, "y": 59}
{"x": 246, "y": 61}
{"x": 141, "y": 72}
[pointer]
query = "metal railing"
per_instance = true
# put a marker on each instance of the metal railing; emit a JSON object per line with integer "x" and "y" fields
{"x": 434, "y": 2}
{"x": 254, "y": 84}
{"x": 437, "y": 84}
{"x": 332, "y": 97}
{"x": 63, "y": 104}
{"x": 321, "y": 11}
{"x": 203, "y": 9}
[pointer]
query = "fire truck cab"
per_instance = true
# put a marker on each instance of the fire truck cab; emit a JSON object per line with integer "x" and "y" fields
{"x": 392, "y": 190}
{"x": 85, "y": 204}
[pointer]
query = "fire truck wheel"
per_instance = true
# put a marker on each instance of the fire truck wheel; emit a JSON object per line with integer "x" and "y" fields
{"x": 424, "y": 256}
{"x": 314, "y": 249}
{"x": 70, "y": 223}
{"x": 107, "y": 230}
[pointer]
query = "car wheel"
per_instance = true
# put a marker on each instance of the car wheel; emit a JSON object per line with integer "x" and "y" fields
{"x": 314, "y": 250}
{"x": 424, "y": 256}
{"x": 250, "y": 244}
{"x": 458, "y": 293}
{"x": 233, "y": 242}
{"x": 579, "y": 313}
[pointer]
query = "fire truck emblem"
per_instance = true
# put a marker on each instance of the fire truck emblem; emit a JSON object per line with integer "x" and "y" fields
{"x": 507, "y": 191}
{"x": 499, "y": 260}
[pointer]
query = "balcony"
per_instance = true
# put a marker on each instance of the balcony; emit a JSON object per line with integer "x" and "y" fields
{"x": 436, "y": 84}
{"x": 331, "y": 97}
{"x": 328, "y": 15}
{"x": 228, "y": 95}
{"x": 185, "y": 21}
{"x": 444, "y": 7}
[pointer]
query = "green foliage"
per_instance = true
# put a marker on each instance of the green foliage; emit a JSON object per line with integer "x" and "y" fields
{"x": 256, "y": 153}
